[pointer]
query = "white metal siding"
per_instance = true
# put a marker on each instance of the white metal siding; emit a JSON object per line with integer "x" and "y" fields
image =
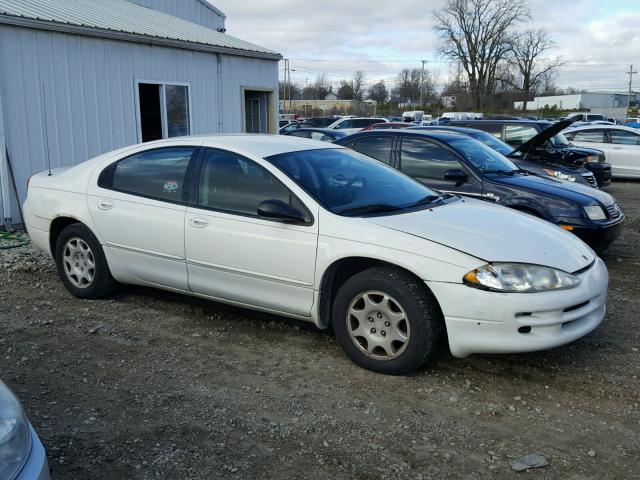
{"x": 90, "y": 95}
{"x": 191, "y": 10}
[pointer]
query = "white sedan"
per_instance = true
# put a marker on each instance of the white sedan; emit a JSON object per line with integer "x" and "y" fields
{"x": 620, "y": 144}
{"x": 321, "y": 233}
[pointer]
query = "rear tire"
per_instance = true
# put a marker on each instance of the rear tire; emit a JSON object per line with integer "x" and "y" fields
{"x": 81, "y": 263}
{"x": 387, "y": 321}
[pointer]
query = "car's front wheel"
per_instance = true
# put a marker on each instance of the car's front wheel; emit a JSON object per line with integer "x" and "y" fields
{"x": 81, "y": 263}
{"x": 387, "y": 321}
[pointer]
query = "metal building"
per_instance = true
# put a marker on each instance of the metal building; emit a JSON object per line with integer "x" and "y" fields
{"x": 81, "y": 77}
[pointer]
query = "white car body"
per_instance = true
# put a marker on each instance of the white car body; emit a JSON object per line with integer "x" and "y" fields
{"x": 342, "y": 123}
{"x": 280, "y": 268}
{"x": 616, "y": 143}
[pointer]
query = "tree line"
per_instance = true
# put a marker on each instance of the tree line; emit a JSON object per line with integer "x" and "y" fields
{"x": 496, "y": 60}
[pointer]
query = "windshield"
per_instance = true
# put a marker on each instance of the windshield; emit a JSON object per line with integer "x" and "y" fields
{"x": 559, "y": 140}
{"x": 347, "y": 182}
{"x": 492, "y": 142}
{"x": 485, "y": 159}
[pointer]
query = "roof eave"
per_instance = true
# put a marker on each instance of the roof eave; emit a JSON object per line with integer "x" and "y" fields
{"x": 131, "y": 37}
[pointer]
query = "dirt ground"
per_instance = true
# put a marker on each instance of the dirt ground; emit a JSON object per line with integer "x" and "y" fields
{"x": 155, "y": 385}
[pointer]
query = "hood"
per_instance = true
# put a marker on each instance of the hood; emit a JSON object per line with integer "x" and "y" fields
{"x": 494, "y": 234}
{"x": 576, "y": 192}
{"x": 544, "y": 136}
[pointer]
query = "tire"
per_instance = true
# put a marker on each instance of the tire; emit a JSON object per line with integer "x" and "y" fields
{"x": 94, "y": 280}
{"x": 379, "y": 297}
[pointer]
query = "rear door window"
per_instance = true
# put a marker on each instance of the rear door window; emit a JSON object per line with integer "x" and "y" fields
{"x": 623, "y": 137}
{"x": 375, "y": 147}
{"x": 158, "y": 174}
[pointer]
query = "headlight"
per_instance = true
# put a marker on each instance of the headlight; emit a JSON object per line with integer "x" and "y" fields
{"x": 560, "y": 175}
{"x": 593, "y": 159}
{"x": 519, "y": 278}
{"x": 15, "y": 437}
{"x": 595, "y": 212}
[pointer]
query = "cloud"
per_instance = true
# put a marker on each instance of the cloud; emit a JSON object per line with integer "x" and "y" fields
{"x": 596, "y": 39}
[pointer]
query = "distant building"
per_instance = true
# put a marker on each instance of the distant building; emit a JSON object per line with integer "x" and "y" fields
{"x": 331, "y": 96}
{"x": 449, "y": 101}
{"x": 609, "y": 104}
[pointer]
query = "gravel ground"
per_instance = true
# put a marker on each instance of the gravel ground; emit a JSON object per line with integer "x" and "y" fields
{"x": 154, "y": 385}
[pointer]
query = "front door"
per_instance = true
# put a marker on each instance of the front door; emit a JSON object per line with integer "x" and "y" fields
{"x": 138, "y": 207}
{"x": 434, "y": 166}
{"x": 256, "y": 107}
{"x": 232, "y": 253}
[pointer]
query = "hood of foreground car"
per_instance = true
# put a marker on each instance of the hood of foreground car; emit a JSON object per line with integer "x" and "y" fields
{"x": 572, "y": 191}
{"x": 494, "y": 234}
{"x": 544, "y": 135}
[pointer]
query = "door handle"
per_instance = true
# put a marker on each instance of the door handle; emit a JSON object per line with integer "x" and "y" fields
{"x": 198, "y": 222}
{"x": 105, "y": 204}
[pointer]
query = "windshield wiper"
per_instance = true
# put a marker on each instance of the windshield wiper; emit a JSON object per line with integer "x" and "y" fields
{"x": 363, "y": 209}
{"x": 426, "y": 200}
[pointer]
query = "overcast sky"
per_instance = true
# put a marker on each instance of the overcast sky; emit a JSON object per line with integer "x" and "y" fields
{"x": 598, "y": 39}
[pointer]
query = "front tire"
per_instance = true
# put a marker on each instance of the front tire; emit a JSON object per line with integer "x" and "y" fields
{"x": 387, "y": 321}
{"x": 81, "y": 263}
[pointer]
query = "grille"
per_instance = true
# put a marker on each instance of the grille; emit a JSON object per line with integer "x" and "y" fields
{"x": 614, "y": 211}
{"x": 591, "y": 179}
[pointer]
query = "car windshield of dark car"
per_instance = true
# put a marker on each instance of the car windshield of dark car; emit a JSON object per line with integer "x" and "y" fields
{"x": 492, "y": 142}
{"x": 349, "y": 183}
{"x": 485, "y": 159}
{"x": 559, "y": 140}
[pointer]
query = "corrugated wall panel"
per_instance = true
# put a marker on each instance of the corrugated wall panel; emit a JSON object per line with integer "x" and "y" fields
{"x": 90, "y": 93}
{"x": 191, "y": 10}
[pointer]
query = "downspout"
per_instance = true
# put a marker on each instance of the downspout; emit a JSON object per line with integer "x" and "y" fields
{"x": 4, "y": 170}
{"x": 219, "y": 72}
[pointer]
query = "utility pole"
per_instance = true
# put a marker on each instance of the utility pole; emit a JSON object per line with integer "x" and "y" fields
{"x": 631, "y": 74}
{"x": 422, "y": 82}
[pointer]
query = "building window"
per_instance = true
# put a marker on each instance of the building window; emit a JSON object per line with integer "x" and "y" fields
{"x": 163, "y": 110}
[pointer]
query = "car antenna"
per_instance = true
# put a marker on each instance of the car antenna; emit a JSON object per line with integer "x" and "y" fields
{"x": 46, "y": 129}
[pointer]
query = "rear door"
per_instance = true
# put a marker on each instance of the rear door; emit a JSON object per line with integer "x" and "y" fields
{"x": 378, "y": 147}
{"x": 138, "y": 205}
{"x": 431, "y": 164}
{"x": 625, "y": 149}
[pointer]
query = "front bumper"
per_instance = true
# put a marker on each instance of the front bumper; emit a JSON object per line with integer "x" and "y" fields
{"x": 479, "y": 321}
{"x": 599, "y": 237}
{"x": 602, "y": 172}
{"x": 36, "y": 467}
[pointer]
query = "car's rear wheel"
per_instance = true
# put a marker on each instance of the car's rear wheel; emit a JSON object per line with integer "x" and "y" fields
{"x": 81, "y": 263}
{"x": 387, "y": 321}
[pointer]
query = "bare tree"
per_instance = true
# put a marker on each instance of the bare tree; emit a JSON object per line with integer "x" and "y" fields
{"x": 358, "y": 85}
{"x": 378, "y": 92}
{"x": 408, "y": 83}
{"x": 527, "y": 56}
{"x": 476, "y": 33}
{"x": 319, "y": 89}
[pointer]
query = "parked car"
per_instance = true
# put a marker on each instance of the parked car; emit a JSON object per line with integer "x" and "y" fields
{"x": 290, "y": 127}
{"x": 320, "y": 122}
{"x": 318, "y": 232}
{"x": 387, "y": 125}
{"x": 455, "y": 163}
{"x": 22, "y": 456}
{"x": 322, "y": 134}
{"x": 523, "y": 135}
{"x": 587, "y": 117}
{"x": 631, "y": 120}
{"x": 619, "y": 143}
{"x": 351, "y": 125}
{"x": 529, "y": 163}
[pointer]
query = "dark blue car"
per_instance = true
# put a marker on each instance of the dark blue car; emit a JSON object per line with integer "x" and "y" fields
{"x": 456, "y": 163}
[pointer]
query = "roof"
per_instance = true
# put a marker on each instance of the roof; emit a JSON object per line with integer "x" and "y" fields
{"x": 123, "y": 20}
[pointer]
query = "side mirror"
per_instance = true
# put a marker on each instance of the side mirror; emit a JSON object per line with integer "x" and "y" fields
{"x": 279, "y": 210}
{"x": 456, "y": 175}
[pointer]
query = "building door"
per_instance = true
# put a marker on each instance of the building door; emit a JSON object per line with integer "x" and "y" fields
{"x": 256, "y": 112}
